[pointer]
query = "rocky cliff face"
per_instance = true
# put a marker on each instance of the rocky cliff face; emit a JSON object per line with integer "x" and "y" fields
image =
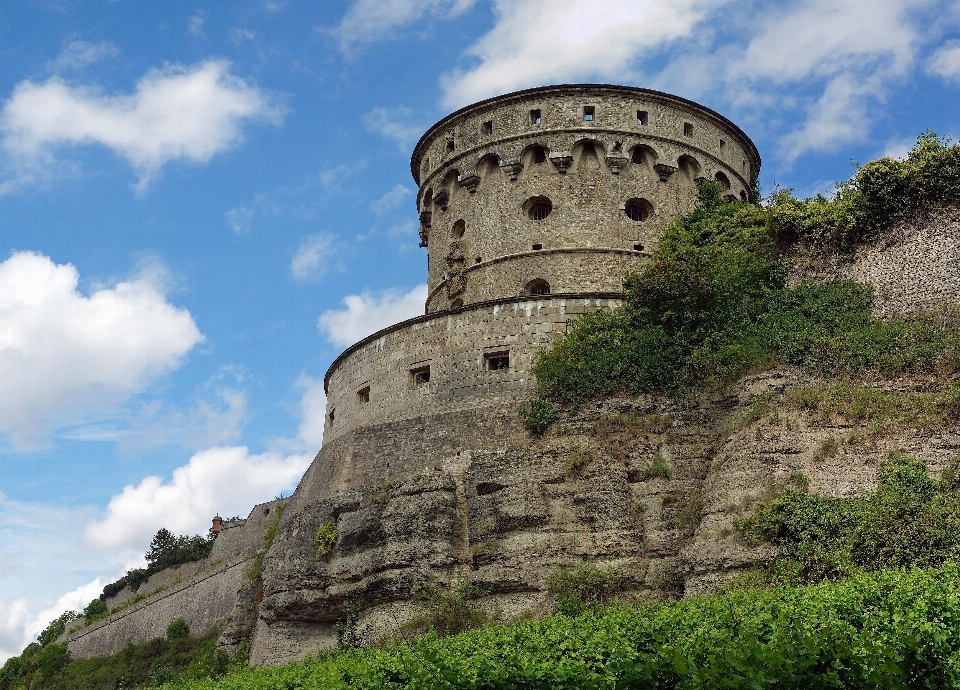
{"x": 647, "y": 486}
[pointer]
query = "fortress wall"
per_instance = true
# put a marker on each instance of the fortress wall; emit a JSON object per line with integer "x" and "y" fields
{"x": 204, "y": 603}
{"x": 916, "y": 266}
{"x": 567, "y": 271}
{"x": 455, "y": 347}
{"x": 475, "y": 200}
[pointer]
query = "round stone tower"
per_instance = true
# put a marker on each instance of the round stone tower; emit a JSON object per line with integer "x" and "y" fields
{"x": 533, "y": 207}
{"x": 563, "y": 188}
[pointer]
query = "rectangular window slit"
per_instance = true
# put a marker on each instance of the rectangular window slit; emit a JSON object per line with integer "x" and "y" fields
{"x": 488, "y": 127}
{"x": 497, "y": 361}
{"x": 723, "y": 144}
{"x": 687, "y": 129}
{"x": 638, "y": 247}
{"x": 589, "y": 112}
{"x": 537, "y": 247}
{"x": 535, "y": 117}
{"x": 333, "y": 413}
{"x": 451, "y": 147}
{"x": 642, "y": 117}
{"x": 363, "y": 395}
{"x": 420, "y": 375}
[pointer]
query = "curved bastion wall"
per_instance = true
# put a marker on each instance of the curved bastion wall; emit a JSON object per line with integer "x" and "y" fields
{"x": 594, "y": 168}
{"x": 452, "y": 361}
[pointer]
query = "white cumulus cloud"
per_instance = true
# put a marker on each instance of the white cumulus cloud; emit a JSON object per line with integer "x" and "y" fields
{"x": 189, "y": 113}
{"x": 366, "y": 313}
{"x": 534, "y": 43}
{"x": 228, "y": 480}
{"x": 65, "y": 355}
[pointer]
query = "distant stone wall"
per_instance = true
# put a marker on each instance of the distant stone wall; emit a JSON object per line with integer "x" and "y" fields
{"x": 203, "y": 602}
{"x": 915, "y": 266}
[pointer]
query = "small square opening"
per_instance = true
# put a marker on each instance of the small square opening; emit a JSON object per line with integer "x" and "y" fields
{"x": 478, "y": 260}
{"x": 363, "y": 395}
{"x": 537, "y": 247}
{"x": 488, "y": 127}
{"x": 497, "y": 361}
{"x": 420, "y": 375}
{"x": 642, "y": 117}
{"x": 451, "y": 146}
{"x": 638, "y": 247}
{"x": 687, "y": 129}
{"x": 534, "y": 117}
{"x": 723, "y": 144}
{"x": 589, "y": 112}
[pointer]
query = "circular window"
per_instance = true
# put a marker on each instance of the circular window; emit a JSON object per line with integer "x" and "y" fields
{"x": 638, "y": 210}
{"x": 538, "y": 208}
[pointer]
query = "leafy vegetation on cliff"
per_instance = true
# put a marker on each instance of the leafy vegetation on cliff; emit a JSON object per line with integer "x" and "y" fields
{"x": 166, "y": 551}
{"x": 713, "y": 302}
{"x": 911, "y": 520}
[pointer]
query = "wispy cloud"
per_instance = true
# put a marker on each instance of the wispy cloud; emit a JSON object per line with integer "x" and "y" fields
{"x": 80, "y": 54}
{"x": 390, "y": 201}
{"x": 195, "y": 23}
{"x": 313, "y": 256}
{"x": 946, "y": 61}
{"x": 303, "y": 201}
{"x": 368, "y": 21}
{"x": 401, "y": 125}
{"x": 175, "y": 113}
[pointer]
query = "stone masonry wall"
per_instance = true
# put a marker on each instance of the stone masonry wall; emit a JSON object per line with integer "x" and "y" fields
{"x": 203, "y": 602}
{"x": 479, "y": 173}
{"x": 372, "y": 381}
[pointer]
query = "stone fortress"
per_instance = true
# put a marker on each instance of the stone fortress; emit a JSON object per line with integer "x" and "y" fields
{"x": 533, "y": 206}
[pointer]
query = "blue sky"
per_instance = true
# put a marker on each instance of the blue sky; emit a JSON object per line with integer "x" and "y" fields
{"x": 202, "y": 203}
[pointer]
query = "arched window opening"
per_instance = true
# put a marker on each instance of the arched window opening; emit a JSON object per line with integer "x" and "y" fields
{"x": 723, "y": 180}
{"x": 638, "y": 210}
{"x": 539, "y": 155}
{"x": 538, "y": 207}
{"x": 537, "y": 286}
{"x": 689, "y": 166}
{"x": 427, "y": 199}
{"x": 458, "y": 229}
{"x": 743, "y": 195}
{"x": 643, "y": 155}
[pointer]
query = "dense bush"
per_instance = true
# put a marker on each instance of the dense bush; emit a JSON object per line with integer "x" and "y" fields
{"x": 894, "y": 629}
{"x": 584, "y": 587}
{"x": 910, "y": 520}
{"x": 177, "y": 629}
{"x": 879, "y": 194}
{"x": 166, "y": 551}
{"x": 713, "y": 304}
{"x": 137, "y": 666}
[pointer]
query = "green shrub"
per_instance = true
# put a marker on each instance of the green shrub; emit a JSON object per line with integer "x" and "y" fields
{"x": 94, "y": 611}
{"x": 450, "y": 611}
{"x": 911, "y": 520}
{"x": 326, "y": 538}
{"x": 584, "y": 587}
{"x": 712, "y": 304}
{"x": 177, "y": 629}
{"x": 658, "y": 468}
{"x": 538, "y": 415}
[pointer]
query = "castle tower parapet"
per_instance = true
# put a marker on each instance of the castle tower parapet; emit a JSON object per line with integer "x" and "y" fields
{"x": 563, "y": 188}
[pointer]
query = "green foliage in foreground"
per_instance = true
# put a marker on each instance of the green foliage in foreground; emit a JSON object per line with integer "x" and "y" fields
{"x": 910, "y": 520}
{"x": 713, "y": 304}
{"x": 147, "y": 665}
{"x": 166, "y": 551}
{"x": 895, "y": 629}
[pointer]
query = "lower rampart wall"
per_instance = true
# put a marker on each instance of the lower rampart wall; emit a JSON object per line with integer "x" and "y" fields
{"x": 204, "y": 603}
